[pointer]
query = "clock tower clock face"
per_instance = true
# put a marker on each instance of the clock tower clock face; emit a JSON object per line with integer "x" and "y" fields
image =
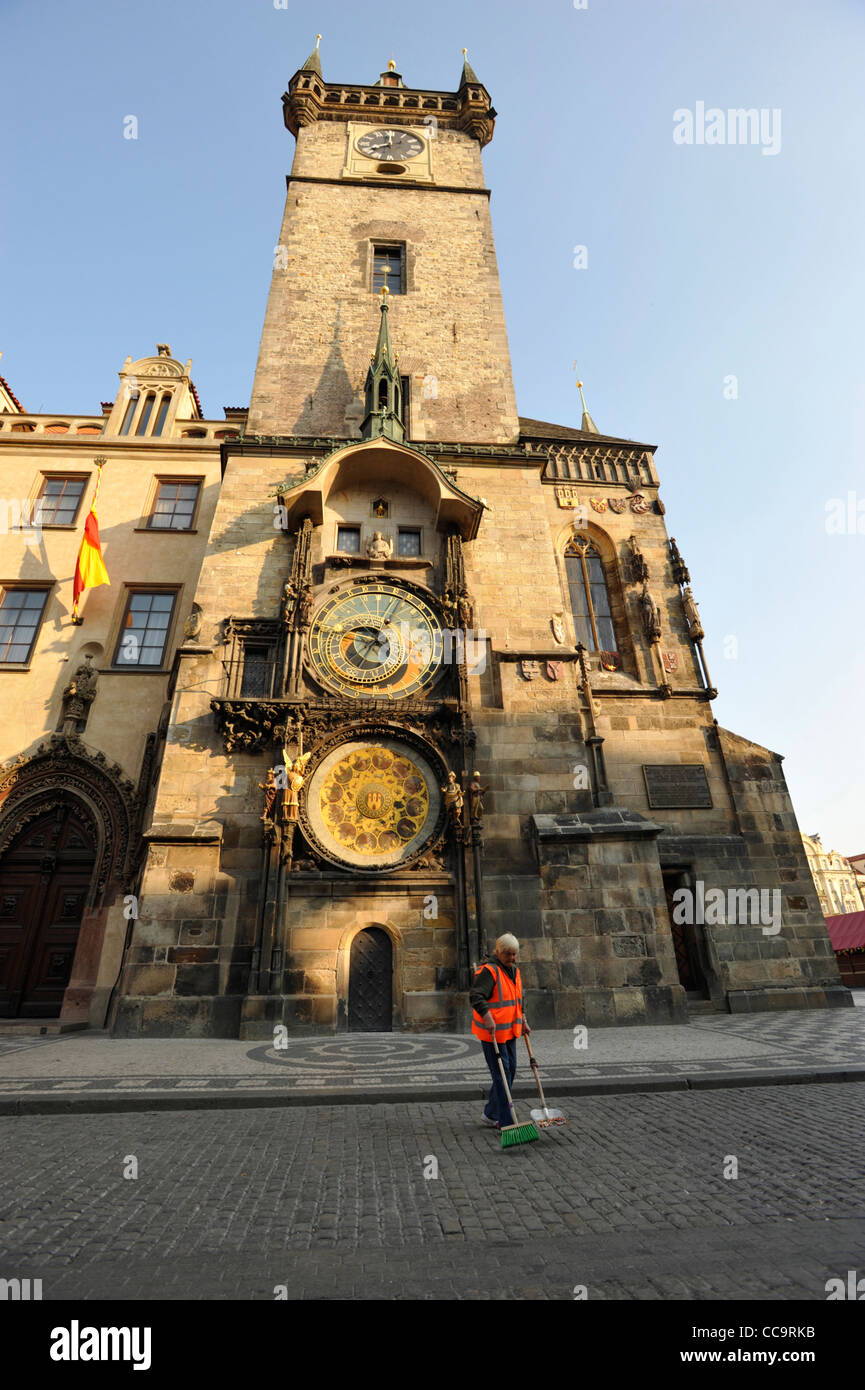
{"x": 375, "y": 641}
{"x": 390, "y": 144}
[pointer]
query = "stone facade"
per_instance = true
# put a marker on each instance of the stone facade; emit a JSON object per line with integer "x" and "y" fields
{"x": 398, "y": 595}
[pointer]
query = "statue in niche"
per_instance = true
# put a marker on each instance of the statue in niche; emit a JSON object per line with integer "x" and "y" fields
{"x": 289, "y": 601}
{"x": 306, "y": 605}
{"x": 192, "y": 626}
{"x": 294, "y": 777}
{"x": 464, "y": 609}
{"x": 639, "y": 568}
{"x": 379, "y": 548}
{"x": 449, "y": 608}
{"x": 651, "y": 615}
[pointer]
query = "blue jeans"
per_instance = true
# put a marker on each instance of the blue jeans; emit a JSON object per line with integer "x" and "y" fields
{"x": 497, "y": 1106}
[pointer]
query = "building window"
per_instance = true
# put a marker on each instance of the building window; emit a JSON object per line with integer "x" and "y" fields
{"x": 145, "y": 414}
{"x": 174, "y": 505}
{"x": 257, "y": 671}
{"x": 408, "y": 542}
{"x": 405, "y": 383}
{"x": 590, "y": 600}
{"x": 20, "y": 615}
{"x": 144, "y": 631}
{"x": 163, "y": 411}
{"x": 130, "y": 411}
{"x": 388, "y": 267}
{"x": 348, "y": 539}
{"x": 60, "y": 498}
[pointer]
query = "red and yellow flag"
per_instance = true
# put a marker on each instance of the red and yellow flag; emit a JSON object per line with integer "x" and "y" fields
{"x": 90, "y": 569}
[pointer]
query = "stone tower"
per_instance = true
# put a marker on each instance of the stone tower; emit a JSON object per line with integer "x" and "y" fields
{"x": 406, "y": 585}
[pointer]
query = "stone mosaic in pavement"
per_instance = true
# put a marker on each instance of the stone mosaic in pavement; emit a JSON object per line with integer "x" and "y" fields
{"x": 708, "y": 1046}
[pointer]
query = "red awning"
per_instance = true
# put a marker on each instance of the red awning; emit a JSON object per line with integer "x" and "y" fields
{"x": 847, "y": 931}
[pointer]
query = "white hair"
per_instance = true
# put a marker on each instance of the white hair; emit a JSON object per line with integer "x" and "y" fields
{"x": 508, "y": 942}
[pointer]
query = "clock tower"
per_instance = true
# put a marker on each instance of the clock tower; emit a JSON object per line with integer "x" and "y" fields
{"x": 386, "y": 185}
{"x": 446, "y": 677}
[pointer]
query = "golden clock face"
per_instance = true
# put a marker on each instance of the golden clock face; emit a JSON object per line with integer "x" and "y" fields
{"x": 375, "y": 641}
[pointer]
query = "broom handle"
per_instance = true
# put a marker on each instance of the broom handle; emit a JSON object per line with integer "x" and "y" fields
{"x": 534, "y": 1066}
{"x": 504, "y": 1080}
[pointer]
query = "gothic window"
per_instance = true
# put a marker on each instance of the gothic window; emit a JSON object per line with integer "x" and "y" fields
{"x": 163, "y": 411}
{"x": 405, "y": 413}
{"x": 348, "y": 539}
{"x": 20, "y": 615}
{"x": 174, "y": 505}
{"x": 60, "y": 498}
{"x": 590, "y": 599}
{"x": 388, "y": 266}
{"x": 144, "y": 631}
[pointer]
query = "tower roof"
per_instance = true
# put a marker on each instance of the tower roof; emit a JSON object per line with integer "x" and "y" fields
{"x": 468, "y": 73}
{"x": 313, "y": 62}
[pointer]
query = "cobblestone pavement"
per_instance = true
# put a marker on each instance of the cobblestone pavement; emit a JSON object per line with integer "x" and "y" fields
{"x": 725, "y": 1049}
{"x": 332, "y": 1202}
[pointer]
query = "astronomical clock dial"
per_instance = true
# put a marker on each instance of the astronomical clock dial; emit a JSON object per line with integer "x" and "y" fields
{"x": 390, "y": 144}
{"x": 373, "y": 804}
{"x": 375, "y": 641}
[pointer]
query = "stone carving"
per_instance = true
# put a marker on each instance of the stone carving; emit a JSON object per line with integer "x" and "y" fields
{"x": 639, "y": 568}
{"x": 680, "y": 570}
{"x": 269, "y": 787}
{"x": 618, "y": 504}
{"x": 554, "y": 670}
{"x": 379, "y": 548}
{"x": 453, "y": 799}
{"x": 79, "y": 695}
{"x": 689, "y": 606}
{"x": 464, "y": 610}
{"x": 449, "y": 608}
{"x": 530, "y": 669}
{"x": 305, "y": 605}
{"x": 558, "y": 625}
{"x": 638, "y": 502}
{"x": 651, "y": 615}
{"x": 671, "y": 661}
{"x": 290, "y": 596}
{"x": 476, "y": 799}
{"x": 192, "y": 626}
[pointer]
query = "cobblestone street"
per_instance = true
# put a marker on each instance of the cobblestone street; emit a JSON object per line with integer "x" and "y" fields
{"x": 629, "y": 1200}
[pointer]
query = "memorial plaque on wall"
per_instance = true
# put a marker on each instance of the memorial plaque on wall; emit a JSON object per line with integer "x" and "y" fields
{"x": 677, "y": 786}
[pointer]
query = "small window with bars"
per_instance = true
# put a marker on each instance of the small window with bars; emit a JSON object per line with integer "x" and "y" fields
{"x": 258, "y": 668}
{"x": 174, "y": 505}
{"x": 60, "y": 499}
{"x": 20, "y": 615}
{"x": 144, "y": 631}
{"x": 388, "y": 268}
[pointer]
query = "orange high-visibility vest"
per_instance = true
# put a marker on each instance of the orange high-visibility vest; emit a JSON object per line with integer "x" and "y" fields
{"x": 506, "y": 1007}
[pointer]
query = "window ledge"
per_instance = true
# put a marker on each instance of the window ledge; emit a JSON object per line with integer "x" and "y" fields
{"x": 134, "y": 671}
{"x": 169, "y": 530}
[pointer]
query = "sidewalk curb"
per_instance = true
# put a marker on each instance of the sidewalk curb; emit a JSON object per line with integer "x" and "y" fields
{"x": 45, "y": 1103}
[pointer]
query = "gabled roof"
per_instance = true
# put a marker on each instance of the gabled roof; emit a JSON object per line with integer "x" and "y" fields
{"x": 543, "y": 429}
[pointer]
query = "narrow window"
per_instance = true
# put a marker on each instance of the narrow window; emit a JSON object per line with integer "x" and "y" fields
{"x": 130, "y": 411}
{"x": 174, "y": 506}
{"x": 144, "y": 632}
{"x": 145, "y": 414}
{"x": 60, "y": 498}
{"x": 257, "y": 671}
{"x": 408, "y": 542}
{"x": 348, "y": 539}
{"x": 388, "y": 263}
{"x": 163, "y": 411}
{"x": 405, "y": 411}
{"x": 590, "y": 600}
{"x": 20, "y": 615}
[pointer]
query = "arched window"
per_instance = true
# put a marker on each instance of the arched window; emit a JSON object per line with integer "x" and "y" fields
{"x": 590, "y": 600}
{"x": 163, "y": 411}
{"x": 145, "y": 414}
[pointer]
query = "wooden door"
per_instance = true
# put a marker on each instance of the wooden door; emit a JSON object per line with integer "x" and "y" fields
{"x": 44, "y": 883}
{"x": 370, "y": 983}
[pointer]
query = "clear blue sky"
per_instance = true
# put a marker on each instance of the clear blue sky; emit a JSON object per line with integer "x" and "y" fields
{"x": 704, "y": 261}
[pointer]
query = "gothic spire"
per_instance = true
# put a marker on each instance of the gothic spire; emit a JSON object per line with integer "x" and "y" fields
{"x": 383, "y": 386}
{"x": 468, "y": 74}
{"x": 588, "y": 425}
{"x": 313, "y": 62}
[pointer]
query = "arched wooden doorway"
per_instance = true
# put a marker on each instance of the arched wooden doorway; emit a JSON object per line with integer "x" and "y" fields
{"x": 45, "y": 878}
{"x": 370, "y": 982}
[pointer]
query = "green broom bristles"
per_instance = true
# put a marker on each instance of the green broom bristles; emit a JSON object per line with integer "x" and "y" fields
{"x": 518, "y": 1134}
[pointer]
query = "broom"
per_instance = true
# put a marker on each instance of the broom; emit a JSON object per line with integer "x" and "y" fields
{"x": 547, "y": 1116}
{"x": 513, "y": 1133}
